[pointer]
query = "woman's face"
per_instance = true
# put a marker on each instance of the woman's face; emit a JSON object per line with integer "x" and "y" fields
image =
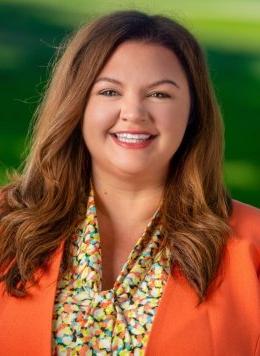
{"x": 137, "y": 111}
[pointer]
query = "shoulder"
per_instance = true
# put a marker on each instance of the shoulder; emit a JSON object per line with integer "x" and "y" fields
{"x": 245, "y": 222}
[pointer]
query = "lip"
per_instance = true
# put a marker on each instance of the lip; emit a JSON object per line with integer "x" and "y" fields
{"x": 133, "y": 145}
{"x": 133, "y": 132}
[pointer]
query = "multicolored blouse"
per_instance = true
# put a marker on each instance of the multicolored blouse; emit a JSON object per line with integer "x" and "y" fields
{"x": 89, "y": 321}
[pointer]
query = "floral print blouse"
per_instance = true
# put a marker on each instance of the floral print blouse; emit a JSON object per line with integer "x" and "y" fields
{"x": 89, "y": 321}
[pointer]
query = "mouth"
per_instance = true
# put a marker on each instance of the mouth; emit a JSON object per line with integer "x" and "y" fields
{"x": 128, "y": 137}
{"x": 133, "y": 140}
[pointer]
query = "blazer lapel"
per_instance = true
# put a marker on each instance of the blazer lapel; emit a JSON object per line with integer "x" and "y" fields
{"x": 26, "y": 323}
{"x": 180, "y": 321}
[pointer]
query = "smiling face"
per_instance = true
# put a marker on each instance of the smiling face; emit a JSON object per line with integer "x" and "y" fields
{"x": 137, "y": 111}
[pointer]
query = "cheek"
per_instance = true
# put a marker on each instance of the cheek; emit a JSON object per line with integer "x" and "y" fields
{"x": 173, "y": 121}
{"x": 98, "y": 118}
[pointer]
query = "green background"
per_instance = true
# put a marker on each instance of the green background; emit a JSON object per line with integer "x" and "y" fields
{"x": 228, "y": 30}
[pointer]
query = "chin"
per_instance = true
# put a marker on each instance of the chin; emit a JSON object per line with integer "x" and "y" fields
{"x": 130, "y": 170}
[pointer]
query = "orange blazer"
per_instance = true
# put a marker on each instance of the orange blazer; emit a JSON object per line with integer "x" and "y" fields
{"x": 226, "y": 324}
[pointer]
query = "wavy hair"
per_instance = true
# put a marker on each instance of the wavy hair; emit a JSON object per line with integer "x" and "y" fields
{"x": 41, "y": 206}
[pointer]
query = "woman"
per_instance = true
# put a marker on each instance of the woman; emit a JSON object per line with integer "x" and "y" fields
{"x": 119, "y": 237}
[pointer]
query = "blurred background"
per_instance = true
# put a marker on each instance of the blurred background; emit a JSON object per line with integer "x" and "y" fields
{"x": 229, "y": 31}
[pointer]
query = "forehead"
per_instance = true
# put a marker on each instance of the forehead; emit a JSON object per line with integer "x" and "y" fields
{"x": 142, "y": 60}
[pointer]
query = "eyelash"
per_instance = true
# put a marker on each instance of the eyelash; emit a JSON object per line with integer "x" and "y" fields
{"x": 162, "y": 94}
{"x": 107, "y": 91}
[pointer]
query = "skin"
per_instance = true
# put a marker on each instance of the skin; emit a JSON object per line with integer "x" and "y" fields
{"x": 128, "y": 183}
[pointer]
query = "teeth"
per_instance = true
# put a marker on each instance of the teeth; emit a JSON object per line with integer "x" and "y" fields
{"x": 132, "y": 136}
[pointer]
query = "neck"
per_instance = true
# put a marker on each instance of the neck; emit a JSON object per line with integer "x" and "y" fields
{"x": 116, "y": 198}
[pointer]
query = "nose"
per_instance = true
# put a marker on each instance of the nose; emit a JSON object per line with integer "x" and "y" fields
{"x": 133, "y": 110}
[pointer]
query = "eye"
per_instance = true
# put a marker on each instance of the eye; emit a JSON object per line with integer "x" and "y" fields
{"x": 160, "y": 95}
{"x": 108, "y": 92}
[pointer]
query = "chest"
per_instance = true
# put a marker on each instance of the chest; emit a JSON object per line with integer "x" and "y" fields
{"x": 226, "y": 324}
{"x": 117, "y": 244}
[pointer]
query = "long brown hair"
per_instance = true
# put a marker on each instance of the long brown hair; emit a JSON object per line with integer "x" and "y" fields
{"x": 42, "y": 206}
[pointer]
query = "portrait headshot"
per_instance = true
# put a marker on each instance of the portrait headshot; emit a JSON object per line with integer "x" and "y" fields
{"x": 123, "y": 231}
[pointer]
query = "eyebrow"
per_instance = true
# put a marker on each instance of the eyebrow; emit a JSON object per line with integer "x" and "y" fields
{"x": 158, "y": 82}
